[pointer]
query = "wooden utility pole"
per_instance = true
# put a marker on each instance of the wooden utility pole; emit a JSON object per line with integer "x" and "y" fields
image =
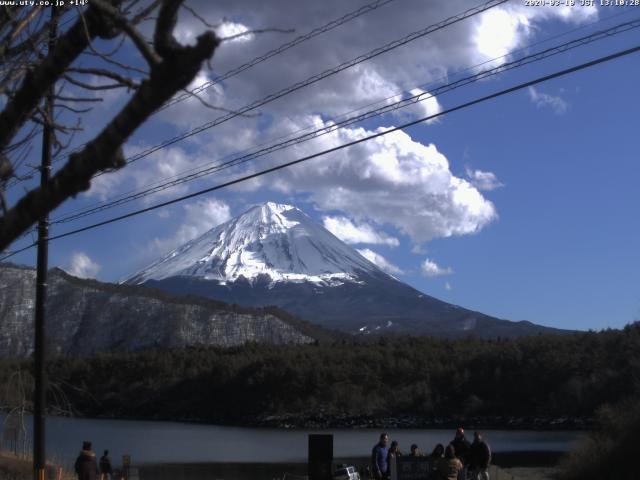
{"x": 40, "y": 377}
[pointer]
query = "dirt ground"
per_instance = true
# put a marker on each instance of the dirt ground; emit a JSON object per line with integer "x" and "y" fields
{"x": 530, "y": 473}
{"x": 14, "y": 468}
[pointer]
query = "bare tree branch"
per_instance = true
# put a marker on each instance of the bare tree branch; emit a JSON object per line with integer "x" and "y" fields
{"x": 88, "y": 86}
{"x": 259, "y": 30}
{"x": 106, "y": 55}
{"x": 37, "y": 81}
{"x": 144, "y": 13}
{"x": 77, "y": 99}
{"x": 136, "y": 37}
{"x": 6, "y": 170}
{"x": 54, "y": 125}
{"x": 177, "y": 67}
{"x": 125, "y": 81}
{"x": 19, "y": 143}
{"x": 16, "y": 31}
{"x": 72, "y": 109}
{"x": 116, "y": 63}
{"x": 216, "y": 107}
{"x": 61, "y": 147}
{"x": 200, "y": 17}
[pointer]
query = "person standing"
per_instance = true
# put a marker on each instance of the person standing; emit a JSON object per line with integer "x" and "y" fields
{"x": 394, "y": 452}
{"x": 415, "y": 451}
{"x": 461, "y": 445}
{"x": 434, "y": 460}
{"x": 462, "y": 448}
{"x": 480, "y": 458}
{"x": 86, "y": 466}
{"x": 438, "y": 452}
{"x": 450, "y": 466}
{"x": 105, "y": 466}
{"x": 379, "y": 454}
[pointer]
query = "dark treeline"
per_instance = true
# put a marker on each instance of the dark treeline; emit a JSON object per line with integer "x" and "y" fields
{"x": 553, "y": 376}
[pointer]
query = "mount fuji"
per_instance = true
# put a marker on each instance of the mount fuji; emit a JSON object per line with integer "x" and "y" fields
{"x": 275, "y": 254}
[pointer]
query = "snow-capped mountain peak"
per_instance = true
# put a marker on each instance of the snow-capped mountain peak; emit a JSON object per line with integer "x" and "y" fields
{"x": 270, "y": 239}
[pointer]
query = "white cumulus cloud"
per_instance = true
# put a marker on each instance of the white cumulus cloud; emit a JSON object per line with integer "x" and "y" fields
{"x": 425, "y": 105}
{"x": 391, "y": 180}
{"x": 483, "y": 180}
{"x": 394, "y": 180}
{"x": 502, "y": 29}
{"x": 353, "y": 233}
{"x": 432, "y": 269}
{"x": 498, "y": 32}
{"x": 542, "y": 100}
{"x": 82, "y": 266}
{"x": 200, "y": 217}
{"x": 380, "y": 261}
{"x": 232, "y": 31}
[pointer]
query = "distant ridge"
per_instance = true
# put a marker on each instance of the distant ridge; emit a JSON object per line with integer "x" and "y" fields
{"x": 85, "y": 317}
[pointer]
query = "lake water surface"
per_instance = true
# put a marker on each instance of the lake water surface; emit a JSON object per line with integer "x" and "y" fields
{"x": 169, "y": 442}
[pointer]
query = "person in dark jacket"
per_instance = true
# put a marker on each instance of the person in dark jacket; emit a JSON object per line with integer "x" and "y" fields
{"x": 462, "y": 446}
{"x": 438, "y": 452}
{"x": 480, "y": 458}
{"x": 415, "y": 451}
{"x": 450, "y": 466}
{"x": 379, "y": 454}
{"x": 105, "y": 466}
{"x": 86, "y": 466}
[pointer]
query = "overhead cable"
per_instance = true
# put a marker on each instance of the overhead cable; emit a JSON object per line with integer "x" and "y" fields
{"x": 245, "y": 178}
{"x": 316, "y": 78}
{"x": 403, "y": 103}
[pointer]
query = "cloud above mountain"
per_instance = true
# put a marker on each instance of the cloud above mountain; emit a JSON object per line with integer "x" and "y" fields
{"x": 380, "y": 261}
{"x": 391, "y": 180}
{"x": 197, "y": 218}
{"x": 357, "y": 233}
{"x": 430, "y": 268}
{"x": 82, "y": 266}
{"x": 401, "y": 180}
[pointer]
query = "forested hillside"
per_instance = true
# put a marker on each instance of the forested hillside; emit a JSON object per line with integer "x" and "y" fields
{"x": 536, "y": 377}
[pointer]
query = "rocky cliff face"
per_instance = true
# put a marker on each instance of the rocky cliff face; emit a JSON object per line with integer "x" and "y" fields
{"x": 85, "y": 317}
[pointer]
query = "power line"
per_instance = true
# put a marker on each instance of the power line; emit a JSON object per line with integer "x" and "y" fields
{"x": 320, "y": 76}
{"x": 158, "y": 184}
{"x": 462, "y": 106}
{"x": 282, "y": 48}
{"x": 251, "y": 63}
{"x": 621, "y": 28}
{"x": 553, "y": 37}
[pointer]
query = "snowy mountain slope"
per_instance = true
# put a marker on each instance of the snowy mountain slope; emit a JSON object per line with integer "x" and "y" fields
{"x": 276, "y": 255}
{"x": 270, "y": 239}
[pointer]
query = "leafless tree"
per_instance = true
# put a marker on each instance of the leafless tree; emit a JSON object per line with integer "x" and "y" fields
{"x": 83, "y": 58}
{"x": 16, "y": 402}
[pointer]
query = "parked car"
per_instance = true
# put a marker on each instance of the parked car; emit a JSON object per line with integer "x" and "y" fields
{"x": 346, "y": 473}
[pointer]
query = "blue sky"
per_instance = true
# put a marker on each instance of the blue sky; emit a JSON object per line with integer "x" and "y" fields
{"x": 524, "y": 207}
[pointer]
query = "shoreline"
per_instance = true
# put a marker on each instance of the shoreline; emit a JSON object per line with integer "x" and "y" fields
{"x": 508, "y": 459}
{"x": 360, "y": 422}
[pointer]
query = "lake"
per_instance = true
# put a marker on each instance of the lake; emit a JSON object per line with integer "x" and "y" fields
{"x": 172, "y": 442}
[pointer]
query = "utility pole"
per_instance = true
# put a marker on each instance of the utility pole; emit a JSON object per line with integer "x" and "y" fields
{"x": 40, "y": 377}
